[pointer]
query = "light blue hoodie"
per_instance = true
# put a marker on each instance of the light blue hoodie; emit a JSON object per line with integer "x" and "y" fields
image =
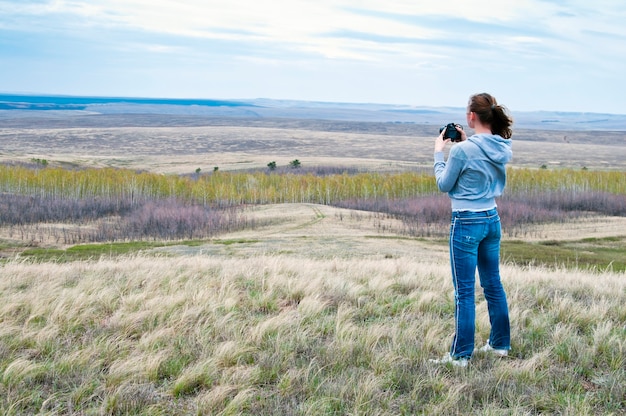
{"x": 475, "y": 173}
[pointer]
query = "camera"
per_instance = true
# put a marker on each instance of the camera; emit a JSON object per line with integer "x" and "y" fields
{"x": 451, "y": 132}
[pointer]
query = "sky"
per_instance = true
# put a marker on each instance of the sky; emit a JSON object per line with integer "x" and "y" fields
{"x": 531, "y": 55}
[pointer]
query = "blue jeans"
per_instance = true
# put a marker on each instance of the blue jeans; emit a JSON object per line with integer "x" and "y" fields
{"x": 475, "y": 243}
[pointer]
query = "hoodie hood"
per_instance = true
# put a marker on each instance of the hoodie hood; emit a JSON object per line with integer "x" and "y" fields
{"x": 494, "y": 147}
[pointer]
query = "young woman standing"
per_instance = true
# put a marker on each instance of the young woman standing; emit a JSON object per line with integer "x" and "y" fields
{"x": 473, "y": 176}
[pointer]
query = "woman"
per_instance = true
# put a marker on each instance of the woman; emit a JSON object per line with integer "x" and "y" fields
{"x": 473, "y": 176}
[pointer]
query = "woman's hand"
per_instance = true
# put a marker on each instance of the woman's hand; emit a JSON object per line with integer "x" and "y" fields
{"x": 461, "y": 132}
{"x": 440, "y": 142}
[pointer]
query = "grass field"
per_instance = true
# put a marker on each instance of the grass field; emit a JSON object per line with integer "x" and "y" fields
{"x": 232, "y": 144}
{"x": 319, "y": 311}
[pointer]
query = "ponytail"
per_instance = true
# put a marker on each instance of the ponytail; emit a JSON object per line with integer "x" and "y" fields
{"x": 490, "y": 113}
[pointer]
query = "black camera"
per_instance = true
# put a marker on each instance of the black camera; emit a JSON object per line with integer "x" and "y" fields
{"x": 451, "y": 132}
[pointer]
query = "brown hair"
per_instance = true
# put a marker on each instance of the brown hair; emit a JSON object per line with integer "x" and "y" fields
{"x": 491, "y": 114}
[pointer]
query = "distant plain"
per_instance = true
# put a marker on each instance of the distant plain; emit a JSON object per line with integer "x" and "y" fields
{"x": 182, "y": 144}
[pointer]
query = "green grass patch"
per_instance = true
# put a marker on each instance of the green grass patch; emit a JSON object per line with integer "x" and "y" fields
{"x": 588, "y": 253}
{"x": 86, "y": 251}
{"x": 96, "y": 251}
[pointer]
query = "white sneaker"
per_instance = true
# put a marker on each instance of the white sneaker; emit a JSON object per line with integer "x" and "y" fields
{"x": 457, "y": 362}
{"x": 490, "y": 349}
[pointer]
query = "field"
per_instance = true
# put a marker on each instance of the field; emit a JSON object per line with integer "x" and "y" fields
{"x": 316, "y": 310}
{"x": 182, "y": 145}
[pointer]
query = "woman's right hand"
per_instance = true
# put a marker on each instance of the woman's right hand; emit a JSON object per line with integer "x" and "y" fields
{"x": 440, "y": 142}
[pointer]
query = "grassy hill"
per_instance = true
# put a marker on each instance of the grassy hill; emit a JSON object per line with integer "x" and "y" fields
{"x": 316, "y": 310}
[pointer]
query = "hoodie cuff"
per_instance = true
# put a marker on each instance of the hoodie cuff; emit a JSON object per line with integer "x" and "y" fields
{"x": 439, "y": 157}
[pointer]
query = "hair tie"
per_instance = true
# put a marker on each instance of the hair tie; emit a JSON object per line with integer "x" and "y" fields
{"x": 493, "y": 107}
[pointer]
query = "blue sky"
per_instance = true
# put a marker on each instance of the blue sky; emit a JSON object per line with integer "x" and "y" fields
{"x": 531, "y": 54}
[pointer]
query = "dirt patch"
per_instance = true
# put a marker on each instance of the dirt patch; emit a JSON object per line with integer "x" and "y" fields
{"x": 591, "y": 227}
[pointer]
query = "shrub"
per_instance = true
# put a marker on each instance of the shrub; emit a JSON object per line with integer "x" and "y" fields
{"x": 34, "y": 195}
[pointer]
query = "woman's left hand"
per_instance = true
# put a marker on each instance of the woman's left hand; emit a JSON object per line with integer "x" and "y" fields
{"x": 461, "y": 132}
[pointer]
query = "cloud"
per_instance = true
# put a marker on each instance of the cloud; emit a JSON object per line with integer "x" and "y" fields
{"x": 334, "y": 29}
{"x": 318, "y": 27}
{"x": 365, "y": 49}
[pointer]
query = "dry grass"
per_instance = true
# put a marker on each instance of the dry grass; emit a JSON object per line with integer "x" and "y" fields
{"x": 575, "y": 229}
{"x": 323, "y": 311}
{"x": 318, "y": 314}
{"x": 183, "y": 149}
